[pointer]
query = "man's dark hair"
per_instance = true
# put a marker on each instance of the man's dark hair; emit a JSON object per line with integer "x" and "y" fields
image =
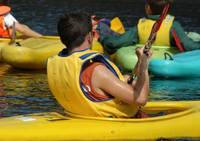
{"x": 73, "y": 27}
{"x": 158, "y": 5}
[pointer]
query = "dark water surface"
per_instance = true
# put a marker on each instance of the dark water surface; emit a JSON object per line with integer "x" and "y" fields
{"x": 42, "y": 15}
{"x": 27, "y": 91}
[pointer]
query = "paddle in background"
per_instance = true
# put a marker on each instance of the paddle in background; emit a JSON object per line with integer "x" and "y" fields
{"x": 152, "y": 37}
{"x": 13, "y": 35}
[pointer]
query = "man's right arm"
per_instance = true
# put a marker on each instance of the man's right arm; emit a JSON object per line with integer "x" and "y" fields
{"x": 138, "y": 93}
{"x": 142, "y": 91}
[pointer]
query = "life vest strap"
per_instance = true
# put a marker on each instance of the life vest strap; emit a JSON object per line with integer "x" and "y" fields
{"x": 86, "y": 55}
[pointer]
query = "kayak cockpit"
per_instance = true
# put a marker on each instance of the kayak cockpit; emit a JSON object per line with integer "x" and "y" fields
{"x": 156, "y": 111}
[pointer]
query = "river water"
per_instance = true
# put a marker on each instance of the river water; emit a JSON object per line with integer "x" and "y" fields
{"x": 23, "y": 92}
{"x": 42, "y": 15}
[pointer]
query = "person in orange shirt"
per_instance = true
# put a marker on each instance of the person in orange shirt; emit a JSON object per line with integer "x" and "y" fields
{"x": 7, "y": 21}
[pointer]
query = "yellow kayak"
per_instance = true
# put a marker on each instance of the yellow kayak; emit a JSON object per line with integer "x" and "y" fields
{"x": 4, "y": 42}
{"x": 181, "y": 120}
{"x": 31, "y": 53}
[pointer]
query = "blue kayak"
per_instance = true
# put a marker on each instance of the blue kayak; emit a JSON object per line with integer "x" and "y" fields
{"x": 182, "y": 65}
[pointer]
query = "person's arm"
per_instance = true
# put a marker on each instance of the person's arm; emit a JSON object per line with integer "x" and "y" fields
{"x": 142, "y": 65}
{"x": 188, "y": 43}
{"x": 137, "y": 93}
{"x": 113, "y": 41}
{"x": 142, "y": 78}
{"x": 25, "y": 30}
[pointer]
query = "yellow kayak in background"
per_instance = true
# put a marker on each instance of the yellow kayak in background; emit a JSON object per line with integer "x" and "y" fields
{"x": 181, "y": 120}
{"x": 5, "y": 42}
{"x": 32, "y": 53}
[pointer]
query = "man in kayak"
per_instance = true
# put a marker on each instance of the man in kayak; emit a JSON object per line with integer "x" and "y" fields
{"x": 171, "y": 32}
{"x": 7, "y": 21}
{"x": 85, "y": 82}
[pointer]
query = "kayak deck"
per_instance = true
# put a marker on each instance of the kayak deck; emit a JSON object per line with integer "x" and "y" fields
{"x": 181, "y": 121}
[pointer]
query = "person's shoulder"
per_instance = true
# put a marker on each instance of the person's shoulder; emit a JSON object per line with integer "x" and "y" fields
{"x": 9, "y": 16}
{"x": 142, "y": 19}
{"x": 176, "y": 24}
{"x": 102, "y": 72}
{"x": 175, "y": 21}
{"x": 99, "y": 68}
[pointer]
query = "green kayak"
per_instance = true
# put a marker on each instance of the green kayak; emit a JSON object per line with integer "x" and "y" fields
{"x": 127, "y": 59}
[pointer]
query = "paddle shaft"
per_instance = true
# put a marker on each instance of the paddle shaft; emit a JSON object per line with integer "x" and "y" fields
{"x": 13, "y": 35}
{"x": 152, "y": 37}
{"x": 155, "y": 29}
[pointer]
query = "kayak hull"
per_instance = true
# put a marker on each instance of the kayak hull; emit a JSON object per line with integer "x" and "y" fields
{"x": 127, "y": 59}
{"x": 182, "y": 121}
{"x": 31, "y": 53}
{"x": 5, "y": 42}
{"x": 183, "y": 65}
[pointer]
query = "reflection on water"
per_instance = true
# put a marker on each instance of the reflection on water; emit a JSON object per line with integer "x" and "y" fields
{"x": 3, "y": 70}
{"x": 26, "y": 92}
